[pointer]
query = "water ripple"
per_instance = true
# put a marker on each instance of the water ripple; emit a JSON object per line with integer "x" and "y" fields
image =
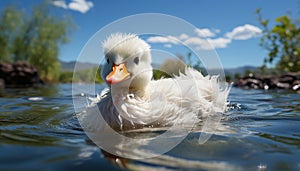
{"x": 261, "y": 129}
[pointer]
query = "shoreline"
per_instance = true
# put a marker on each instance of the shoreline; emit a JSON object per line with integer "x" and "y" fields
{"x": 287, "y": 81}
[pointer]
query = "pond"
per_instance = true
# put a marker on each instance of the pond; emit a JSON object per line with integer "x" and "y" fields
{"x": 39, "y": 131}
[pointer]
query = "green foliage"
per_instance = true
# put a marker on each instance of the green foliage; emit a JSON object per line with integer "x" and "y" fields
{"x": 87, "y": 76}
{"x": 34, "y": 38}
{"x": 237, "y": 76}
{"x": 66, "y": 77}
{"x": 228, "y": 78}
{"x": 282, "y": 41}
{"x": 10, "y": 23}
{"x": 158, "y": 74}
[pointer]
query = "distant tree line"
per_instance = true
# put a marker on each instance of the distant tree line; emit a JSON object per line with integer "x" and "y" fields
{"x": 34, "y": 37}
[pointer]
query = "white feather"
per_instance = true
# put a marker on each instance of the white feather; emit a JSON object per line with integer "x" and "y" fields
{"x": 185, "y": 99}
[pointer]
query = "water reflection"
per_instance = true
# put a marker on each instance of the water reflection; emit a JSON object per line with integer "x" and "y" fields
{"x": 186, "y": 156}
{"x": 49, "y": 90}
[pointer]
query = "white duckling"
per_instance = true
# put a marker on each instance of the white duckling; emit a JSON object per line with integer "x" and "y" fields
{"x": 134, "y": 100}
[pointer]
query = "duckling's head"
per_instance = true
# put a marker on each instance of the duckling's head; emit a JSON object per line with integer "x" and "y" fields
{"x": 128, "y": 62}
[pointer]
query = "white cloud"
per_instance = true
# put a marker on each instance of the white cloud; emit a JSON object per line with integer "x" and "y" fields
{"x": 163, "y": 39}
{"x": 244, "y": 32}
{"x": 206, "y": 38}
{"x": 205, "y": 32}
{"x": 220, "y": 42}
{"x": 194, "y": 41}
{"x": 208, "y": 44}
{"x": 81, "y": 5}
{"x": 77, "y": 5}
{"x": 61, "y": 4}
{"x": 183, "y": 36}
{"x": 198, "y": 42}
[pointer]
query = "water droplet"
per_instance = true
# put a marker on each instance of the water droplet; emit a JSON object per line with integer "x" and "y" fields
{"x": 262, "y": 167}
{"x": 295, "y": 87}
{"x": 35, "y": 98}
{"x": 266, "y": 87}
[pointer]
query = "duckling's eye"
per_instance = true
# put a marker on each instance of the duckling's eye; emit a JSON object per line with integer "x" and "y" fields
{"x": 136, "y": 60}
{"x": 107, "y": 60}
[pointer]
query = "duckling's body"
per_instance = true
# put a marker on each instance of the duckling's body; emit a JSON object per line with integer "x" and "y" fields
{"x": 184, "y": 99}
{"x": 134, "y": 100}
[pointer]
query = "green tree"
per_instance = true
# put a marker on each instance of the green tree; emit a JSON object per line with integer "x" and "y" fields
{"x": 66, "y": 77}
{"x": 50, "y": 32}
{"x": 282, "y": 41}
{"x": 228, "y": 78}
{"x": 10, "y": 21}
{"x": 237, "y": 76}
{"x": 34, "y": 38}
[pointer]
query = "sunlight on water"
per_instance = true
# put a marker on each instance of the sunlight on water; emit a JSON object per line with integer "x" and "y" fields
{"x": 35, "y": 98}
{"x": 39, "y": 131}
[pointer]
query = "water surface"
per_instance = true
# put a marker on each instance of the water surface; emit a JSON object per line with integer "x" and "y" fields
{"x": 39, "y": 131}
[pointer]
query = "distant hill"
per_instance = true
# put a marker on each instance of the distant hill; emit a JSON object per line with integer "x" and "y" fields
{"x": 240, "y": 70}
{"x": 231, "y": 71}
{"x": 69, "y": 66}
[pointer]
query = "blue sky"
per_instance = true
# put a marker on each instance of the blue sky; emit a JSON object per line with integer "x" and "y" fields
{"x": 230, "y": 26}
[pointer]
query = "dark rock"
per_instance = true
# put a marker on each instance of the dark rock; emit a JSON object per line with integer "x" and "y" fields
{"x": 2, "y": 84}
{"x": 281, "y": 85}
{"x": 252, "y": 83}
{"x": 286, "y": 81}
{"x": 19, "y": 74}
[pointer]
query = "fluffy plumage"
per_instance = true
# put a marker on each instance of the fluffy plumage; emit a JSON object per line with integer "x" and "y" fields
{"x": 140, "y": 101}
{"x": 127, "y": 45}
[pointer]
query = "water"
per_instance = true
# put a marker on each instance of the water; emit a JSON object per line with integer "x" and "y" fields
{"x": 39, "y": 131}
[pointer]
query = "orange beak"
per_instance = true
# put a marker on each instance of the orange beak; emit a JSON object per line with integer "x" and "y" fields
{"x": 118, "y": 74}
